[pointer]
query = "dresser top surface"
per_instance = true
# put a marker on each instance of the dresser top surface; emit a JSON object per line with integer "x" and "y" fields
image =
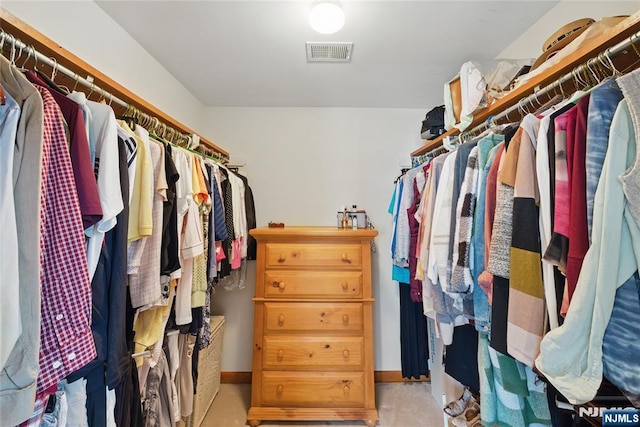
{"x": 317, "y": 232}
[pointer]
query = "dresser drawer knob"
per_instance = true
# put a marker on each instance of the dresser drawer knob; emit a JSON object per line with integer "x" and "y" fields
{"x": 345, "y": 285}
{"x": 345, "y": 258}
{"x": 280, "y": 389}
{"x": 279, "y": 285}
{"x": 282, "y": 258}
{"x": 345, "y": 354}
{"x": 345, "y": 318}
{"x": 346, "y": 389}
{"x": 281, "y": 319}
{"x": 280, "y": 353}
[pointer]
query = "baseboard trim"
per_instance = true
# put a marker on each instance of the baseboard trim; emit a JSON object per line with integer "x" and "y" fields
{"x": 235, "y": 377}
{"x": 379, "y": 377}
{"x": 394, "y": 377}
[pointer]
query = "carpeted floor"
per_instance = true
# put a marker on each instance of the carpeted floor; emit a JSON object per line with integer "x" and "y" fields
{"x": 407, "y": 404}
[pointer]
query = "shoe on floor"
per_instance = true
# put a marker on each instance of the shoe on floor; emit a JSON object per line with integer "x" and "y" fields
{"x": 458, "y": 406}
{"x": 469, "y": 417}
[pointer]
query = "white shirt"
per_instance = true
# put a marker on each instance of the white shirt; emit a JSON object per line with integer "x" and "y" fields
{"x": 190, "y": 232}
{"x": 239, "y": 212}
{"x": 544, "y": 220}
{"x": 437, "y": 270}
{"x": 104, "y": 131}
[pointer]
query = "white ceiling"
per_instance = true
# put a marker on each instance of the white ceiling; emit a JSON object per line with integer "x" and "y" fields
{"x": 252, "y": 53}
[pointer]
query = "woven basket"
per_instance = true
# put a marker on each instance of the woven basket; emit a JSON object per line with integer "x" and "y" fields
{"x": 208, "y": 373}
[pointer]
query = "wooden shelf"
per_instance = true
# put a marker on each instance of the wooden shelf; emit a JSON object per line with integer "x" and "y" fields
{"x": 32, "y": 37}
{"x": 590, "y": 49}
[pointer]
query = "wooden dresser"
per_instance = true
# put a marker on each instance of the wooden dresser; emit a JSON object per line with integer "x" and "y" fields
{"x": 313, "y": 338}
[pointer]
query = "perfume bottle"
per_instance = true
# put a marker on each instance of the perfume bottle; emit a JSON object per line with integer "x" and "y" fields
{"x": 344, "y": 223}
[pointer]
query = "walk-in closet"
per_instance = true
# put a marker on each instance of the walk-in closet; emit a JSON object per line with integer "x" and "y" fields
{"x": 334, "y": 212}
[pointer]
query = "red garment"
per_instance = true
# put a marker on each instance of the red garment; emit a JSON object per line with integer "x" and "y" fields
{"x": 565, "y": 127}
{"x": 66, "y": 342}
{"x": 490, "y": 202}
{"x": 84, "y": 177}
{"x": 485, "y": 280}
{"x": 416, "y": 285}
{"x": 219, "y": 252}
{"x": 578, "y": 227}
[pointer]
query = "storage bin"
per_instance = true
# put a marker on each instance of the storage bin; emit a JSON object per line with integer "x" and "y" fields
{"x": 208, "y": 373}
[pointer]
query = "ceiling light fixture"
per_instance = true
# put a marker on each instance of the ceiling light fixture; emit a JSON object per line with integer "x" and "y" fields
{"x": 327, "y": 16}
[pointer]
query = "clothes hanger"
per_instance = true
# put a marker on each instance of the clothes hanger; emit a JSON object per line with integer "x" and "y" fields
{"x": 402, "y": 172}
{"x": 534, "y": 95}
{"x": 75, "y": 85}
{"x": 54, "y": 69}
{"x": 585, "y": 78}
{"x": 91, "y": 90}
{"x": 610, "y": 65}
{"x": 521, "y": 108}
{"x": 49, "y": 80}
{"x": 154, "y": 130}
{"x": 14, "y": 51}
{"x": 129, "y": 116}
{"x": 583, "y": 87}
{"x": 142, "y": 120}
{"x": 594, "y": 74}
{"x": 562, "y": 91}
{"x": 172, "y": 133}
{"x": 30, "y": 51}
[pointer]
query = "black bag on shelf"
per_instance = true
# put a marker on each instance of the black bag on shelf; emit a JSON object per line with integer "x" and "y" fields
{"x": 433, "y": 123}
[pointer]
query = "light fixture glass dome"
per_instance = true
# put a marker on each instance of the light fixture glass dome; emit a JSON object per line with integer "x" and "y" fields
{"x": 326, "y": 16}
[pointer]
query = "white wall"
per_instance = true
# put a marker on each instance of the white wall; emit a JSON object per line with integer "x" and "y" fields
{"x": 303, "y": 164}
{"x": 86, "y": 30}
{"x": 529, "y": 44}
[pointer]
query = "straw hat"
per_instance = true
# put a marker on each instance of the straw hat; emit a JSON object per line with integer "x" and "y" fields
{"x": 562, "y": 37}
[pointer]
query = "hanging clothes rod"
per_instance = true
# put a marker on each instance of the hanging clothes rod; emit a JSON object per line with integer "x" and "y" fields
{"x": 573, "y": 75}
{"x": 19, "y": 48}
{"x": 39, "y": 57}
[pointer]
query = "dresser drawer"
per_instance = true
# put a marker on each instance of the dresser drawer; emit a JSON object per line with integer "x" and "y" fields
{"x": 307, "y": 389}
{"x": 313, "y": 284}
{"x": 307, "y": 254}
{"x": 328, "y": 353}
{"x": 313, "y": 317}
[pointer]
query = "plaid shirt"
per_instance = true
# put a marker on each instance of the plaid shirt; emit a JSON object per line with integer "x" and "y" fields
{"x": 66, "y": 342}
{"x": 38, "y": 412}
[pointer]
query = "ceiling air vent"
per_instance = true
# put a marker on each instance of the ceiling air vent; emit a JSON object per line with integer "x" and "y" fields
{"x": 329, "y": 52}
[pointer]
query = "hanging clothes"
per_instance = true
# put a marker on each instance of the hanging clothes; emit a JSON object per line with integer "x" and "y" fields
{"x": 112, "y": 201}
{"x": 9, "y": 264}
{"x": 103, "y": 140}
{"x": 576, "y": 369}
{"x": 526, "y": 312}
{"x": 20, "y": 370}
{"x": 66, "y": 342}
{"x": 85, "y": 183}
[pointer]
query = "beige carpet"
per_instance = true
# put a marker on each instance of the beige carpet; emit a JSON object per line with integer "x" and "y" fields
{"x": 399, "y": 405}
